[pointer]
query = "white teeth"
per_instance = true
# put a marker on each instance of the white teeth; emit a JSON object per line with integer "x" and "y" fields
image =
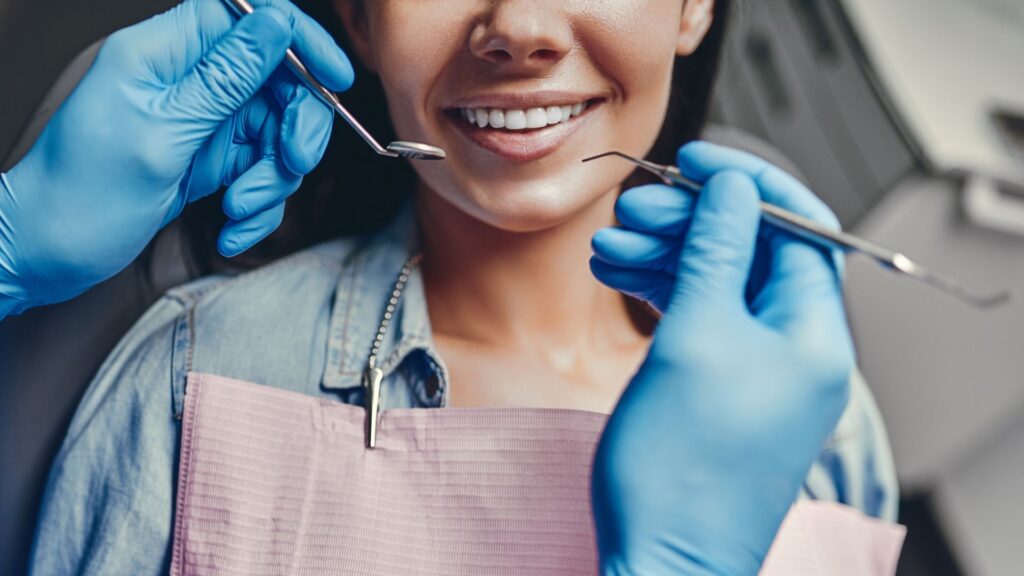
{"x": 496, "y": 118}
{"x": 518, "y": 119}
{"x": 515, "y": 119}
{"x": 536, "y": 118}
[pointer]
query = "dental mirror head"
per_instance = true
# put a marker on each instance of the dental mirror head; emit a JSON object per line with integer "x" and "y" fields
{"x": 416, "y": 151}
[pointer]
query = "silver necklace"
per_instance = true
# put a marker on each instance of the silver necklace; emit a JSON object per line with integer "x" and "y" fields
{"x": 373, "y": 375}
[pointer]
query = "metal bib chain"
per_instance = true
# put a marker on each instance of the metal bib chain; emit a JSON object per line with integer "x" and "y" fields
{"x": 373, "y": 376}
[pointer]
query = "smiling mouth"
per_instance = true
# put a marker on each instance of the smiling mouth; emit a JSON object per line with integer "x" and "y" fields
{"x": 516, "y": 119}
{"x": 522, "y": 134}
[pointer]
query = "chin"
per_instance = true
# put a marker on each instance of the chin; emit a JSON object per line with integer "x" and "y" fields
{"x": 524, "y": 209}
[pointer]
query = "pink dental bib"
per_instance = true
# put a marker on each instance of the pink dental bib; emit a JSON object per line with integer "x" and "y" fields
{"x": 274, "y": 482}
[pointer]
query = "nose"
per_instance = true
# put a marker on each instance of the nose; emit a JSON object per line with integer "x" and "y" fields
{"x": 522, "y": 35}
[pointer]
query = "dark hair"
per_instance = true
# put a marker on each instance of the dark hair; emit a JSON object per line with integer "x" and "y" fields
{"x": 354, "y": 191}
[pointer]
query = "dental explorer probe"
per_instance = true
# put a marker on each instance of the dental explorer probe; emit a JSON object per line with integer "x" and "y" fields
{"x": 814, "y": 232}
{"x": 411, "y": 150}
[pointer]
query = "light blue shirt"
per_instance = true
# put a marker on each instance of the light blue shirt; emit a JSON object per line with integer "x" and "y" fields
{"x": 305, "y": 323}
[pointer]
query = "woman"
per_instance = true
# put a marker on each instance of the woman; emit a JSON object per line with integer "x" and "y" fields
{"x": 502, "y": 309}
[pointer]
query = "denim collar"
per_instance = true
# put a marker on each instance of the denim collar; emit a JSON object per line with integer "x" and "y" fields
{"x": 364, "y": 287}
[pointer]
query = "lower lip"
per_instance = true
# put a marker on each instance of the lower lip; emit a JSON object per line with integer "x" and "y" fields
{"x": 523, "y": 145}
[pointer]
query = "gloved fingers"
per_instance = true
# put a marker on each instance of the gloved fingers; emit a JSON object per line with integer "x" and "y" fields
{"x": 233, "y": 148}
{"x": 806, "y": 307}
{"x": 253, "y": 119}
{"x": 237, "y": 236}
{"x": 306, "y": 122}
{"x": 650, "y": 286}
{"x": 634, "y": 250}
{"x": 655, "y": 209}
{"x": 717, "y": 253}
{"x": 794, "y": 265}
{"x": 232, "y": 71}
{"x": 781, "y": 189}
{"x": 207, "y": 172}
{"x": 315, "y": 46}
{"x": 269, "y": 136}
{"x": 256, "y": 139}
{"x": 700, "y": 160}
{"x": 194, "y": 27}
{"x": 802, "y": 292}
{"x": 264, "y": 185}
{"x": 245, "y": 158}
{"x": 306, "y": 125}
{"x": 254, "y": 202}
{"x": 174, "y": 42}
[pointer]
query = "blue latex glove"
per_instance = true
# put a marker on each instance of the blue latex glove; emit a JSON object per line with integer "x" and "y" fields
{"x": 745, "y": 379}
{"x": 173, "y": 108}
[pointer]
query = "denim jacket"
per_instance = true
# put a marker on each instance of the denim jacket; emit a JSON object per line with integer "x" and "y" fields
{"x": 305, "y": 323}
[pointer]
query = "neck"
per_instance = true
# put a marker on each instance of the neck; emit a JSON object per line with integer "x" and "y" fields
{"x": 525, "y": 290}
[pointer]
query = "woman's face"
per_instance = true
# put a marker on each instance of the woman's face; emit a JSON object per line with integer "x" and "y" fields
{"x": 552, "y": 82}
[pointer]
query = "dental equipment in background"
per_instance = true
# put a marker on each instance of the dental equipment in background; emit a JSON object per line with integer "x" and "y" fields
{"x": 811, "y": 231}
{"x": 411, "y": 150}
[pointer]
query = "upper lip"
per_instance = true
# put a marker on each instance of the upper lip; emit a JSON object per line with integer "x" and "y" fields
{"x": 523, "y": 100}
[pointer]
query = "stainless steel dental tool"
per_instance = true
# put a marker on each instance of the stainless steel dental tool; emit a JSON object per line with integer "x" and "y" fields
{"x": 811, "y": 231}
{"x": 411, "y": 150}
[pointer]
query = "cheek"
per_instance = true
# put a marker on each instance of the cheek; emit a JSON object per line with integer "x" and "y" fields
{"x": 643, "y": 75}
{"x": 413, "y": 46}
{"x": 633, "y": 44}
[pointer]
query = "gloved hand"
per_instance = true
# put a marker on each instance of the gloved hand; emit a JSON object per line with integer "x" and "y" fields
{"x": 744, "y": 381}
{"x": 173, "y": 108}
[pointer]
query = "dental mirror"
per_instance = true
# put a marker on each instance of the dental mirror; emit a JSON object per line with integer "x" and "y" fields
{"x": 416, "y": 151}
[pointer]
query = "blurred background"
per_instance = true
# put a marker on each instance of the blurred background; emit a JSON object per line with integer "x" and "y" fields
{"x": 906, "y": 116}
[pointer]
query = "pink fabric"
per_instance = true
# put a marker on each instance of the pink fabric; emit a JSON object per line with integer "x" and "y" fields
{"x": 829, "y": 538}
{"x": 274, "y": 482}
